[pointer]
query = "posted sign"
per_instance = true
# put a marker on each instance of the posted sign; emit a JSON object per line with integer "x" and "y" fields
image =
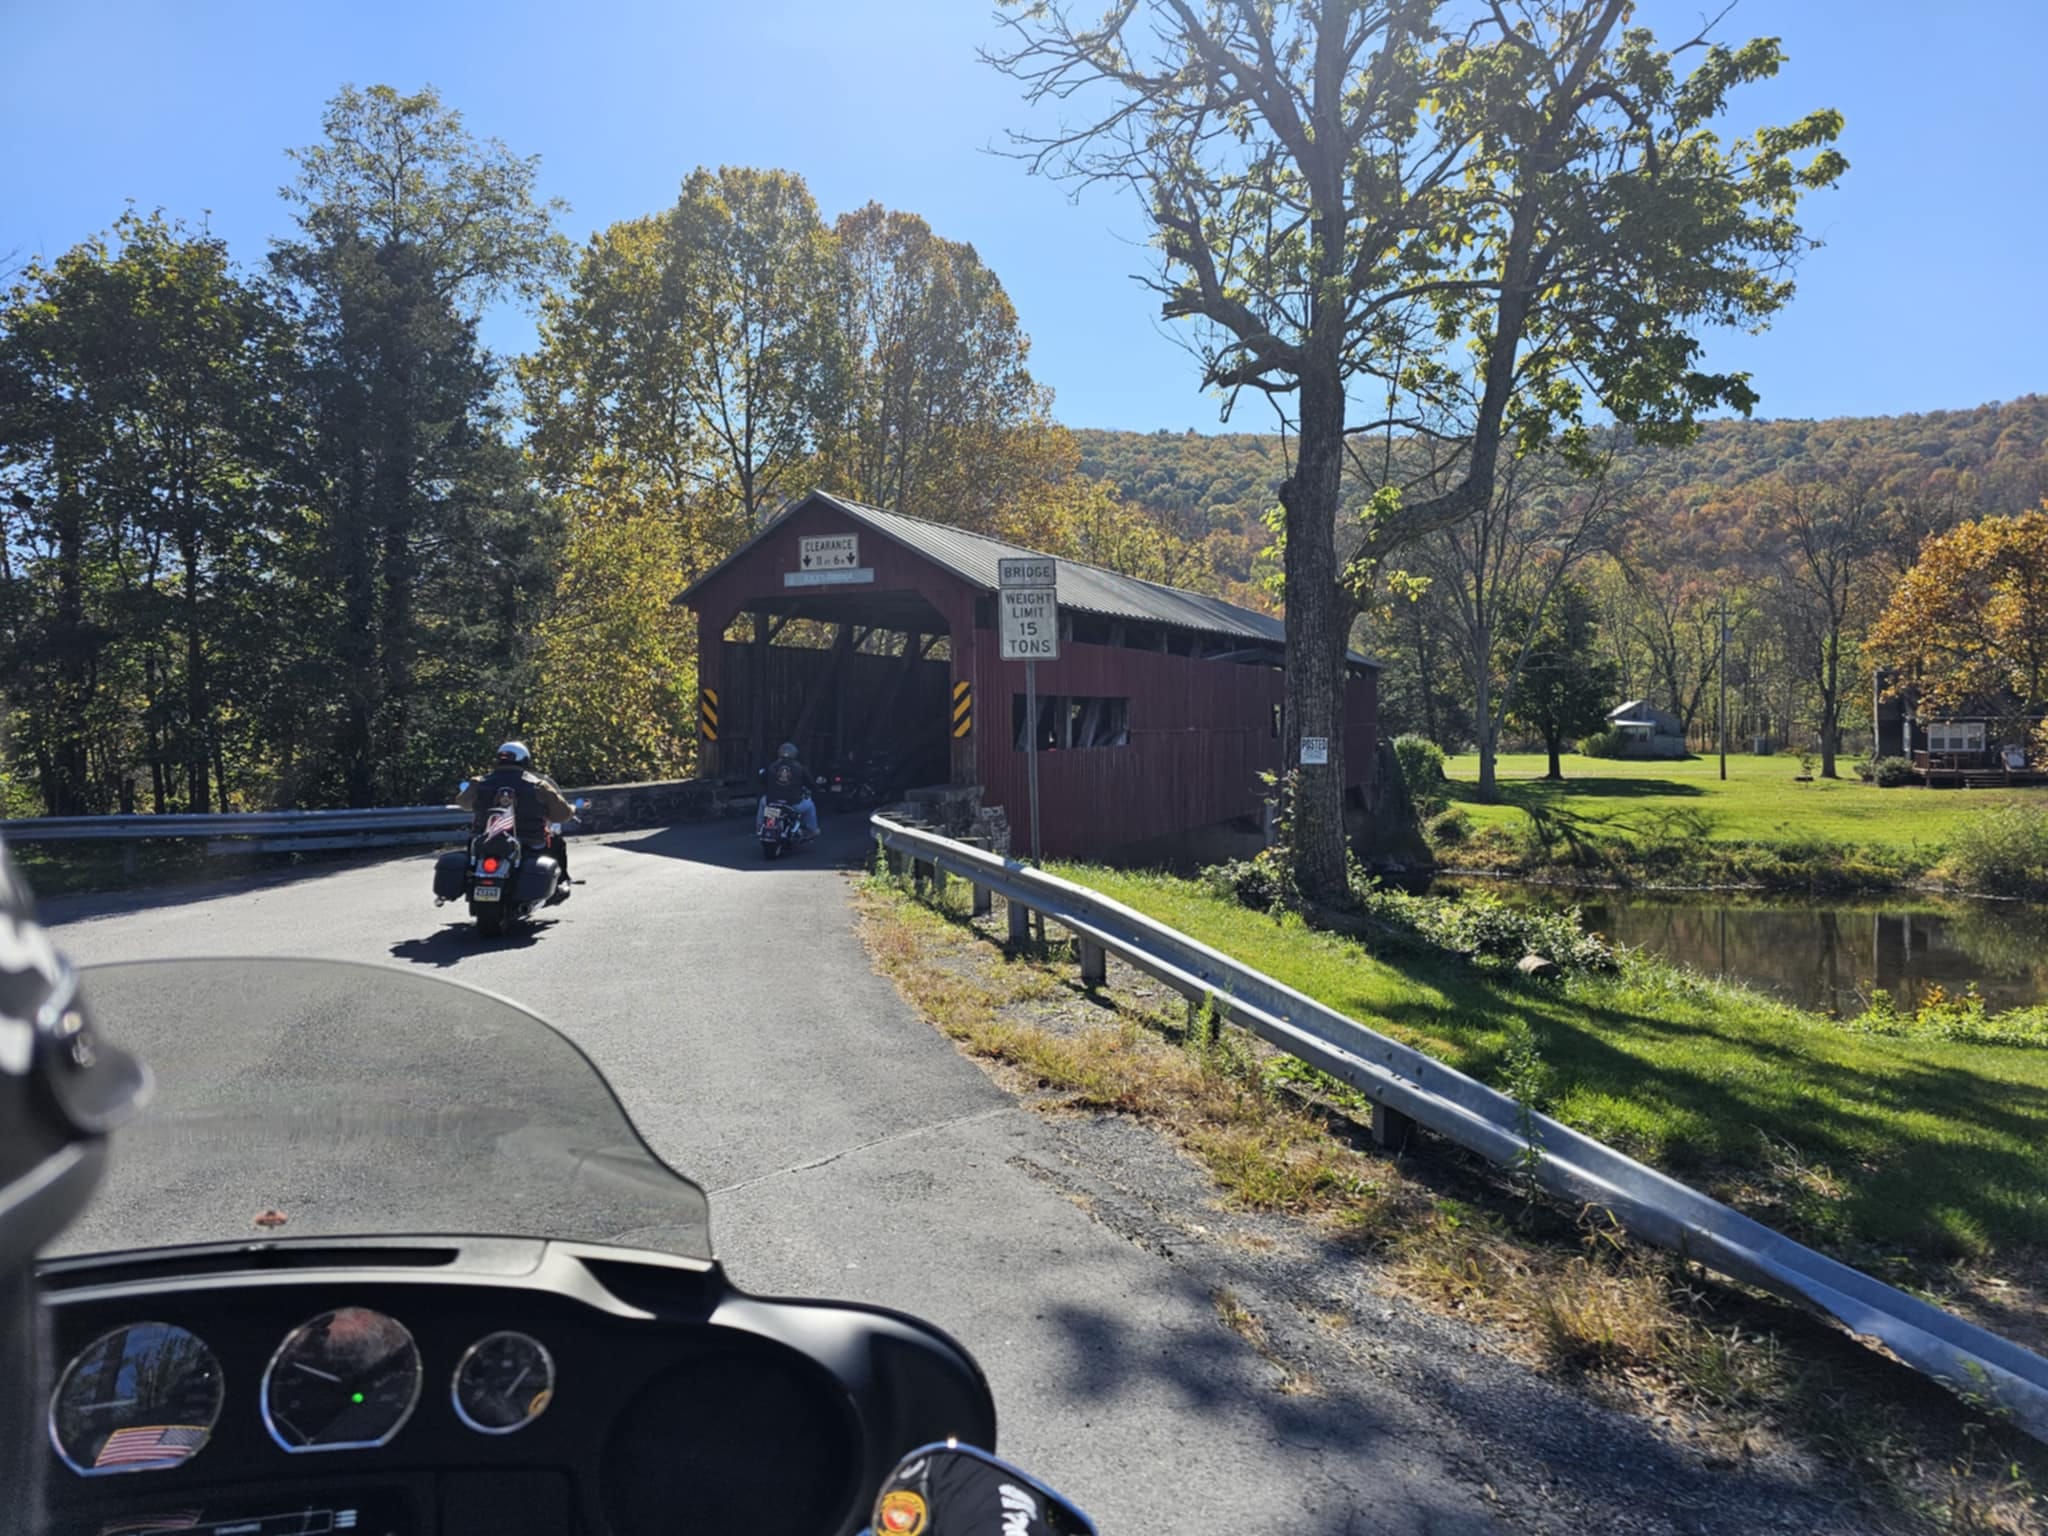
{"x": 1315, "y": 749}
{"x": 840, "y": 552}
{"x": 1034, "y": 572}
{"x": 1031, "y": 624}
{"x": 1031, "y": 609}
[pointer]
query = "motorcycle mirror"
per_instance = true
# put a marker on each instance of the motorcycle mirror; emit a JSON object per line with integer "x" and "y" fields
{"x": 952, "y": 1489}
{"x": 580, "y": 804}
{"x": 462, "y": 786}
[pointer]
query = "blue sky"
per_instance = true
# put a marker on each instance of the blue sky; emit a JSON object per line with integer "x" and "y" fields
{"x": 1927, "y": 295}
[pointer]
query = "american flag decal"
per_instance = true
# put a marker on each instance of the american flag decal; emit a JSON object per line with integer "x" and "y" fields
{"x": 154, "y": 1445}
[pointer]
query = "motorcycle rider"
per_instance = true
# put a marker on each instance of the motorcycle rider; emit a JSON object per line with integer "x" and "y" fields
{"x": 62, "y": 1089}
{"x": 535, "y": 801}
{"x": 789, "y": 782}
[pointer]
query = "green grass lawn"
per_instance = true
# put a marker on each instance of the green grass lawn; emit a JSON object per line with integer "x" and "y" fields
{"x": 1844, "y": 1139}
{"x": 1760, "y": 802}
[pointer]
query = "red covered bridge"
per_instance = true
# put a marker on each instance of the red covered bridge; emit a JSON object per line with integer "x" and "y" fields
{"x": 844, "y": 628}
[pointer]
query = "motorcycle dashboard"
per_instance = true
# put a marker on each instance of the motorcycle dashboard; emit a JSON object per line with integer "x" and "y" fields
{"x": 475, "y": 1387}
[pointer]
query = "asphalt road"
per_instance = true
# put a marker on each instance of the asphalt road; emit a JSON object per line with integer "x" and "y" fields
{"x": 850, "y": 1151}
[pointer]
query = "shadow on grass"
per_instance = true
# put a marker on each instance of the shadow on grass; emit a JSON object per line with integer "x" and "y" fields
{"x": 1846, "y": 1140}
{"x": 1526, "y": 792}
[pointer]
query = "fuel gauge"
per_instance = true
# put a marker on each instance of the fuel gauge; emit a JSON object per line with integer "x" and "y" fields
{"x": 503, "y": 1383}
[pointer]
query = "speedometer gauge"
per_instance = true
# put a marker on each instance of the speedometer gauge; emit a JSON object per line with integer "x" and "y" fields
{"x": 135, "y": 1400}
{"x": 345, "y": 1380}
{"x": 504, "y": 1382}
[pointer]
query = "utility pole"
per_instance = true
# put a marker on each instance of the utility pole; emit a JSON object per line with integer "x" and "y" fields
{"x": 1724, "y": 688}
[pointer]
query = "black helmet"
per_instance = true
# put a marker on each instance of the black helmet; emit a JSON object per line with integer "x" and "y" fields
{"x": 787, "y": 749}
{"x": 62, "y": 1088}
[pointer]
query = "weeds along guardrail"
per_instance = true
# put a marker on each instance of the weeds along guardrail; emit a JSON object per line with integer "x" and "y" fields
{"x": 1409, "y": 1089}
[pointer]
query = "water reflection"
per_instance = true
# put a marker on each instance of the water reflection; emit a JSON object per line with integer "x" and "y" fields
{"x": 1829, "y": 956}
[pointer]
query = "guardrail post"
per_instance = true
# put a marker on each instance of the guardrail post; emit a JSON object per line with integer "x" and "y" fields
{"x": 983, "y": 900}
{"x": 920, "y": 874}
{"x": 938, "y": 883}
{"x": 1391, "y": 1130}
{"x": 1020, "y": 922}
{"x": 1094, "y": 963}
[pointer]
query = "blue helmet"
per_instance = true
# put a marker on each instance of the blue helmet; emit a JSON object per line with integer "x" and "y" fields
{"x": 515, "y": 752}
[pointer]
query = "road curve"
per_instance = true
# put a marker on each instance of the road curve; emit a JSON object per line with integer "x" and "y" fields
{"x": 850, "y": 1151}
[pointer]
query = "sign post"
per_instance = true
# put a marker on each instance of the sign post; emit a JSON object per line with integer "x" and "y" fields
{"x": 1031, "y": 634}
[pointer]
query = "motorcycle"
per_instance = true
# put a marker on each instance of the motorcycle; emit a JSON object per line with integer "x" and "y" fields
{"x": 500, "y": 878}
{"x": 781, "y": 830}
{"x": 859, "y": 780}
{"x": 477, "y": 1302}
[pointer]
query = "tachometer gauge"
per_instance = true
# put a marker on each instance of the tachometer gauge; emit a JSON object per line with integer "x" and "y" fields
{"x": 503, "y": 1383}
{"x": 138, "y": 1399}
{"x": 344, "y": 1381}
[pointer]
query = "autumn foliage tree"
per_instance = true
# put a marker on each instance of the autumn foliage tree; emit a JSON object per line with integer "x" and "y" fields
{"x": 1969, "y": 622}
{"x": 617, "y": 674}
{"x": 1497, "y": 219}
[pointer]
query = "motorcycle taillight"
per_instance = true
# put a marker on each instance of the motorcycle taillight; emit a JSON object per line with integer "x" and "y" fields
{"x": 490, "y": 866}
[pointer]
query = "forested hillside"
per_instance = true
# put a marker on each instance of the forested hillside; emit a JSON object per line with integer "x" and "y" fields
{"x": 1987, "y": 459}
{"x": 1599, "y": 592}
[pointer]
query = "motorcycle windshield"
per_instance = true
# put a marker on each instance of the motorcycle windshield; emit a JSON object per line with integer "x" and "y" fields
{"x": 356, "y": 1100}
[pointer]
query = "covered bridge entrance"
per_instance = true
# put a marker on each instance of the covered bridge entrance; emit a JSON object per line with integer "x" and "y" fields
{"x": 847, "y": 629}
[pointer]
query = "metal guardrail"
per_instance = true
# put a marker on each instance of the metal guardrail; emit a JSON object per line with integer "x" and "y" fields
{"x": 367, "y": 827}
{"x": 1405, "y": 1082}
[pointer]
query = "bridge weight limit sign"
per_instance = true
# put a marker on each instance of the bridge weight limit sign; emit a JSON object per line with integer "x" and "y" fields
{"x": 1031, "y": 634}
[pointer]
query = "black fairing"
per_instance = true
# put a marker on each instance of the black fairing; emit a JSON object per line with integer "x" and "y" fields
{"x": 676, "y": 1395}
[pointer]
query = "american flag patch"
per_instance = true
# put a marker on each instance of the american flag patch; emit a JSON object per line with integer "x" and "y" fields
{"x": 154, "y": 1445}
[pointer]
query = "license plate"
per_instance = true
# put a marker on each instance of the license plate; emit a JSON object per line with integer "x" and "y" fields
{"x": 487, "y": 893}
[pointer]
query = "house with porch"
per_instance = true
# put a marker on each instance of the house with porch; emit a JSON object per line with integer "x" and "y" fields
{"x": 1988, "y": 742}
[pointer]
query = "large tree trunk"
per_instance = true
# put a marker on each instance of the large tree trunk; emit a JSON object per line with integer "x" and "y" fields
{"x": 1425, "y": 669}
{"x": 357, "y": 648}
{"x": 198, "y": 709}
{"x": 1316, "y": 632}
{"x": 64, "y": 792}
{"x": 1555, "y": 744}
{"x": 1489, "y": 741}
{"x": 1830, "y": 702}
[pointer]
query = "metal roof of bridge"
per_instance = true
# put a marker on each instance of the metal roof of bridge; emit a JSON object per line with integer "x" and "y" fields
{"x": 974, "y": 557}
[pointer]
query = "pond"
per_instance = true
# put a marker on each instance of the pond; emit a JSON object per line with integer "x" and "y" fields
{"x": 1827, "y": 956}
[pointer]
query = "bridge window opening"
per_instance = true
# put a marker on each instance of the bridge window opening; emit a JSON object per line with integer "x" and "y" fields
{"x": 1068, "y": 722}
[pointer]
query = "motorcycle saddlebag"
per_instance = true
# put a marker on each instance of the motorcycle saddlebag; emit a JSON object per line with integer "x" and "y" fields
{"x": 536, "y": 877}
{"x": 451, "y": 875}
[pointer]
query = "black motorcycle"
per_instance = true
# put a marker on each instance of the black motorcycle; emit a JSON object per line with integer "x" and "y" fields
{"x": 859, "y": 780}
{"x": 781, "y": 830}
{"x": 501, "y": 879}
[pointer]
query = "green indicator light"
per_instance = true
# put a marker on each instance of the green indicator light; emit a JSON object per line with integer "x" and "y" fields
{"x": 355, "y": 1397}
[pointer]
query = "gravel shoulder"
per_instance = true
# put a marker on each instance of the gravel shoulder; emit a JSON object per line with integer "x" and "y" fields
{"x": 1334, "y": 1321}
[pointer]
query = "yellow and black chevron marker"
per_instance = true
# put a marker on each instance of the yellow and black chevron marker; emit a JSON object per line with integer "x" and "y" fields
{"x": 707, "y": 713}
{"x": 963, "y": 709}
